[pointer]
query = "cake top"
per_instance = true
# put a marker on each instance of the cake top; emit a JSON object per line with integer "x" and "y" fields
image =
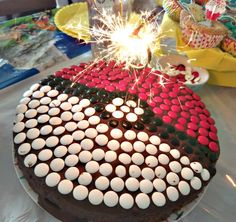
{"x": 114, "y": 136}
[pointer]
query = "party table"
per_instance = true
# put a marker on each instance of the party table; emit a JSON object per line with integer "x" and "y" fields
{"x": 218, "y": 203}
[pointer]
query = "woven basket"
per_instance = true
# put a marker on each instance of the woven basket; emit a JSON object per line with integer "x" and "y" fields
{"x": 172, "y": 8}
{"x": 199, "y": 36}
{"x": 229, "y": 45}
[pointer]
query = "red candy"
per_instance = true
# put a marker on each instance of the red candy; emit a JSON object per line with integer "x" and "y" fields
{"x": 175, "y": 108}
{"x": 157, "y": 111}
{"x": 143, "y": 96}
{"x": 192, "y": 126}
{"x": 182, "y": 121}
{"x": 191, "y": 133}
{"x": 204, "y": 124}
{"x": 203, "y": 131}
{"x": 164, "y": 107}
{"x": 172, "y": 114}
{"x": 203, "y": 140}
{"x": 194, "y": 119}
{"x": 213, "y": 147}
{"x": 179, "y": 127}
{"x": 213, "y": 136}
{"x": 166, "y": 119}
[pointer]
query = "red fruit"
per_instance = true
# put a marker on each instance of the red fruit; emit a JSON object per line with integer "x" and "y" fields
{"x": 180, "y": 67}
{"x": 195, "y": 74}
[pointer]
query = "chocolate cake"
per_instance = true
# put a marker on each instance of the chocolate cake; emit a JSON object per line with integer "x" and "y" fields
{"x": 98, "y": 142}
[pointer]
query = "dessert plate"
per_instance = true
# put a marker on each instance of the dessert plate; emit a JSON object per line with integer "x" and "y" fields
{"x": 175, "y": 217}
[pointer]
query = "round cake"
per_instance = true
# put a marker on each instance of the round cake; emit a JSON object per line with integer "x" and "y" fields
{"x": 97, "y": 141}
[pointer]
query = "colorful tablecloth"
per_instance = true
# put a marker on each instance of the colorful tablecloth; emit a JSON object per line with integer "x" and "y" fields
{"x": 30, "y": 44}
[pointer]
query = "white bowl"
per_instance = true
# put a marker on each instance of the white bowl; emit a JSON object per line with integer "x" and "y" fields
{"x": 179, "y": 59}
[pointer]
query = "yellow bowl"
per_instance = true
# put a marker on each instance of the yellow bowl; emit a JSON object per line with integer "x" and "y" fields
{"x": 74, "y": 20}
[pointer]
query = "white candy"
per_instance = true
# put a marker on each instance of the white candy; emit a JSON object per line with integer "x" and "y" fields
{"x": 120, "y": 171}
{"x": 65, "y": 187}
{"x": 175, "y": 153}
{"x": 126, "y": 146}
{"x": 117, "y": 184}
{"x": 139, "y": 111}
{"x": 24, "y": 149}
{"x": 187, "y": 173}
{"x": 131, "y": 103}
{"x": 132, "y": 184}
{"x": 85, "y": 179}
{"x": 146, "y": 186}
{"x": 59, "y": 130}
{"x": 91, "y": 133}
{"x": 126, "y": 201}
{"x": 113, "y": 145}
{"x": 60, "y": 151}
{"x": 45, "y": 101}
{"x": 164, "y": 147}
{"x": 125, "y": 109}
{"x": 19, "y": 127}
{"x": 92, "y": 166}
{"x": 137, "y": 158}
{"x": 38, "y": 94}
{"x": 19, "y": 138}
{"x": 89, "y": 111}
{"x": 34, "y": 87}
{"x": 159, "y": 184}
{"x": 30, "y": 160}
{"x": 66, "y": 106}
{"x": 32, "y": 133}
{"x": 118, "y": 114}
{"x": 196, "y": 183}
{"x": 185, "y": 160}
{"x": 102, "y": 128}
{"x": 148, "y": 173}
{"x": 155, "y": 140}
{"x": 83, "y": 124}
{"x": 66, "y": 140}
{"x": 31, "y": 113}
{"x": 80, "y": 192}
{"x": 130, "y": 135}
{"x": 111, "y": 199}
{"x": 105, "y": 169}
{"x": 134, "y": 171}
{"x": 73, "y": 100}
{"x": 110, "y": 108}
{"x": 158, "y": 199}
{"x": 139, "y": 146}
{"x": 62, "y": 97}
{"x": 33, "y": 103}
{"x": 45, "y": 130}
{"x": 102, "y": 183}
{"x": 160, "y": 172}
{"x": 143, "y": 136}
{"x": 172, "y": 178}
{"x": 43, "y": 118}
{"x": 71, "y": 160}
{"x": 52, "y": 141}
{"x": 57, "y": 164}
{"x": 45, "y": 89}
{"x": 175, "y": 166}
{"x": 42, "y": 109}
{"x": 31, "y": 123}
{"x": 28, "y": 93}
{"x": 184, "y": 188}
{"x": 163, "y": 159}
{"x": 76, "y": 108}
{"x": 55, "y": 103}
{"x": 54, "y": 111}
{"x": 66, "y": 116}
{"x": 98, "y": 154}
{"x": 94, "y": 120}
{"x": 172, "y": 193}
{"x": 124, "y": 158}
{"x": 142, "y": 200}
{"x": 84, "y": 103}
{"x": 205, "y": 175}
{"x": 25, "y": 100}
{"x": 131, "y": 117}
{"x": 151, "y": 149}
{"x": 95, "y": 197}
{"x": 87, "y": 144}
{"x": 55, "y": 121}
{"x": 101, "y": 140}
{"x": 85, "y": 156}
{"x": 197, "y": 167}
{"x": 22, "y": 108}
{"x": 45, "y": 155}
{"x": 52, "y": 179}
{"x": 74, "y": 148}
{"x": 72, "y": 173}
{"x": 78, "y": 135}
{"x": 110, "y": 156}
{"x": 151, "y": 161}
{"x": 118, "y": 101}
{"x": 71, "y": 126}
{"x": 38, "y": 143}
{"x": 41, "y": 170}
{"x": 19, "y": 117}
